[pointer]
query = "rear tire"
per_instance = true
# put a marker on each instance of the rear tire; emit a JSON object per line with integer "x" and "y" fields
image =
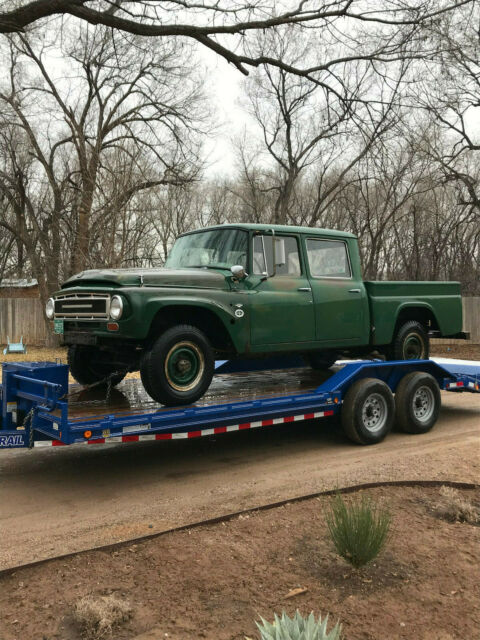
{"x": 417, "y": 402}
{"x": 368, "y": 411}
{"x": 144, "y": 374}
{"x": 87, "y": 367}
{"x": 321, "y": 361}
{"x": 410, "y": 342}
{"x": 179, "y": 368}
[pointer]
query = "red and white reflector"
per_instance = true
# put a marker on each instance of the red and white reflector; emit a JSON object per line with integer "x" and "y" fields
{"x": 192, "y": 434}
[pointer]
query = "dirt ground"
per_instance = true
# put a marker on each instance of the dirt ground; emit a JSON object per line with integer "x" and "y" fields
{"x": 214, "y": 581}
{"x": 460, "y": 350}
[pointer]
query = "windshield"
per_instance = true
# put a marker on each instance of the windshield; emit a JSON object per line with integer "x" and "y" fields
{"x": 219, "y": 248}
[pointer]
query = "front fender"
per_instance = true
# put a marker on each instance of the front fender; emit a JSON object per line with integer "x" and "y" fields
{"x": 224, "y": 310}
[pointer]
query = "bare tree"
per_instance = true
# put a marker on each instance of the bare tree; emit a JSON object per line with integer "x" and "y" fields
{"x": 449, "y": 93}
{"x": 79, "y": 143}
{"x": 225, "y": 26}
{"x": 310, "y": 134}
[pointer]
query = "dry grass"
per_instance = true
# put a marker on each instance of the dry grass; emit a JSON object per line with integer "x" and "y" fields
{"x": 452, "y": 506}
{"x": 44, "y": 354}
{"x": 36, "y": 354}
{"x": 97, "y": 616}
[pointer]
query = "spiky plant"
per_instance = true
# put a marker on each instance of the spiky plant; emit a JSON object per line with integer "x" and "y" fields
{"x": 298, "y": 628}
{"x": 359, "y": 530}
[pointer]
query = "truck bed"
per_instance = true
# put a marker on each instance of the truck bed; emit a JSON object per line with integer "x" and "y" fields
{"x": 438, "y": 306}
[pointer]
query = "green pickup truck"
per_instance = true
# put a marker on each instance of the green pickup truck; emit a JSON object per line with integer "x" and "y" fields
{"x": 243, "y": 290}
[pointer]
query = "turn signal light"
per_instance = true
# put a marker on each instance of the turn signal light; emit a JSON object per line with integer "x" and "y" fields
{"x": 335, "y": 400}
{"x": 87, "y": 434}
{"x": 112, "y": 326}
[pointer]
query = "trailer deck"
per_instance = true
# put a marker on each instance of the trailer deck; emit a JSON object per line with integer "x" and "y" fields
{"x": 40, "y": 409}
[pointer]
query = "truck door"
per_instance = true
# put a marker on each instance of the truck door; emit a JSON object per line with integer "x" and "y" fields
{"x": 340, "y": 301}
{"x": 281, "y": 306}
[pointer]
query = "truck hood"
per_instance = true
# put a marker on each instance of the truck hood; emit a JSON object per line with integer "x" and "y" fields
{"x": 196, "y": 278}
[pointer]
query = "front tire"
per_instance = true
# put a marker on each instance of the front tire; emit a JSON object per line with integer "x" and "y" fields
{"x": 417, "y": 402}
{"x": 410, "y": 342}
{"x": 368, "y": 411}
{"x": 179, "y": 368}
{"x": 87, "y": 366}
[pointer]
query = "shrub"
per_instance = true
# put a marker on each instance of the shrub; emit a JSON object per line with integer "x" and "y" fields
{"x": 454, "y": 507}
{"x": 359, "y": 529}
{"x": 98, "y": 615}
{"x": 298, "y": 628}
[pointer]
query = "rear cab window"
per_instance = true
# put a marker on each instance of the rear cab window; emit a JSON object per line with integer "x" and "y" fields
{"x": 328, "y": 258}
{"x": 287, "y": 255}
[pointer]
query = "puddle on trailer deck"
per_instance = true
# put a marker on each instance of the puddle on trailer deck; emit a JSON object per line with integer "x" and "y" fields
{"x": 131, "y": 397}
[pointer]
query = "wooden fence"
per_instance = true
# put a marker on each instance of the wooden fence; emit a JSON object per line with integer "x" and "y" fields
{"x": 24, "y": 317}
{"x": 471, "y": 320}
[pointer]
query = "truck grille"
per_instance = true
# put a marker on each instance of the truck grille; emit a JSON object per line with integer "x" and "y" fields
{"x": 82, "y": 306}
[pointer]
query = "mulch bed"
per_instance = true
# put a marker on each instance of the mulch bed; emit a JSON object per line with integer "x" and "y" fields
{"x": 215, "y": 581}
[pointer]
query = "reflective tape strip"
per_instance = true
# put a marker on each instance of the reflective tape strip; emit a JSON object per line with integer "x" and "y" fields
{"x": 193, "y": 434}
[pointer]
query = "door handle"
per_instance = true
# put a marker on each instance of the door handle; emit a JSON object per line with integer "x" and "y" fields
{"x": 354, "y": 291}
{"x": 304, "y": 289}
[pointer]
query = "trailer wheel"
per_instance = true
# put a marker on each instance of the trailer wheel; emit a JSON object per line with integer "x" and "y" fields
{"x": 87, "y": 367}
{"x": 417, "y": 402}
{"x": 368, "y": 411}
{"x": 410, "y": 342}
{"x": 179, "y": 367}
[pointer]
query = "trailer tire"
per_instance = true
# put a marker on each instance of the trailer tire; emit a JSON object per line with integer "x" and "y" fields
{"x": 368, "y": 411}
{"x": 417, "y": 402}
{"x": 410, "y": 342}
{"x": 179, "y": 367}
{"x": 86, "y": 367}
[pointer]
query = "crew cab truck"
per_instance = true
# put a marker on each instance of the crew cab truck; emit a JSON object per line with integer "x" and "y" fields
{"x": 243, "y": 290}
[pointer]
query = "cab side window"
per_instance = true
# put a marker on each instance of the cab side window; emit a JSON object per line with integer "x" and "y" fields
{"x": 286, "y": 255}
{"x": 328, "y": 259}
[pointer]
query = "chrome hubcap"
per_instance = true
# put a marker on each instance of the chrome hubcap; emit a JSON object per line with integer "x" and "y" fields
{"x": 374, "y": 412}
{"x": 423, "y": 404}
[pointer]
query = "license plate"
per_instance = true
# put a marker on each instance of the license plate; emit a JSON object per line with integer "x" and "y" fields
{"x": 58, "y": 326}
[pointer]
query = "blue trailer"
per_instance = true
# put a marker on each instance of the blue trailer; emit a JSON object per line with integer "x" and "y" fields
{"x": 369, "y": 397}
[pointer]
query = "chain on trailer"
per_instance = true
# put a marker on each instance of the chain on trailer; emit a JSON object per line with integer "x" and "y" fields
{"x": 108, "y": 380}
{"x": 28, "y": 423}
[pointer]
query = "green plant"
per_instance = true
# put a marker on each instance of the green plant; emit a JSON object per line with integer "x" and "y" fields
{"x": 359, "y": 529}
{"x": 298, "y": 628}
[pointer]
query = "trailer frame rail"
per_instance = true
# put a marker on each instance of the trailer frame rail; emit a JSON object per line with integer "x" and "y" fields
{"x": 36, "y": 390}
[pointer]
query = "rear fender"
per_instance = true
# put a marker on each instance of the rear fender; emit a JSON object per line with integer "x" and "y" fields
{"x": 422, "y": 312}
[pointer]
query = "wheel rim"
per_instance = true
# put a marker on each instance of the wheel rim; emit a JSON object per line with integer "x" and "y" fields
{"x": 184, "y": 366}
{"x": 413, "y": 348}
{"x": 423, "y": 404}
{"x": 374, "y": 412}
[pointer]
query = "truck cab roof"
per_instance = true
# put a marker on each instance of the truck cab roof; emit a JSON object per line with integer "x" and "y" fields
{"x": 279, "y": 228}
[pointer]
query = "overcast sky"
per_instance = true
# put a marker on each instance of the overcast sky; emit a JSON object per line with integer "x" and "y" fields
{"x": 225, "y": 88}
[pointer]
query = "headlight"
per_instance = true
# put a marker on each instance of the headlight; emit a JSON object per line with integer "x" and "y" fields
{"x": 116, "y": 307}
{"x": 50, "y": 308}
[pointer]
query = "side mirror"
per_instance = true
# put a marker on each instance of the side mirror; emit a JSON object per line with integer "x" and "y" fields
{"x": 238, "y": 272}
